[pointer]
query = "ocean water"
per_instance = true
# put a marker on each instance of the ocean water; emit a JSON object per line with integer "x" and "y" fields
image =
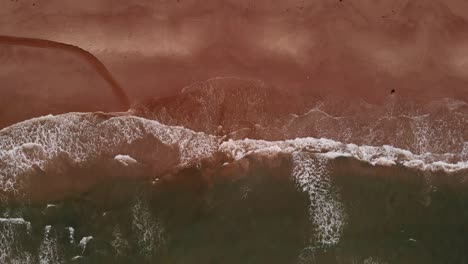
{"x": 358, "y": 213}
{"x": 228, "y": 172}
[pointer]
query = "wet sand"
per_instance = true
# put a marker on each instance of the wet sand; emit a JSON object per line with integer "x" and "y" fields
{"x": 356, "y": 50}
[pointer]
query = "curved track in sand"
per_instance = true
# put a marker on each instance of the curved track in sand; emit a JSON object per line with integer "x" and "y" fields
{"x": 86, "y": 55}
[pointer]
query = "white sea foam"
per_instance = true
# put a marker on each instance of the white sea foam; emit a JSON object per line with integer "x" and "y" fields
{"x": 326, "y": 210}
{"x": 84, "y": 242}
{"x": 119, "y": 243}
{"x": 71, "y": 234}
{"x": 11, "y": 250}
{"x": 83, "y": 137}
{"x": 75, "y": 258}
{"x": 15, "y": 221}
{"x": 30, "y": 146}
{"x": 48, "y": 251}
{"x": 125, "y": 160}
{"x": 149, "y": 230}
{"x": 384, "y": 155}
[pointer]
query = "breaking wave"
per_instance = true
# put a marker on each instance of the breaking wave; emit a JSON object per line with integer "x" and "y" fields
{"x": 50, "y": 145}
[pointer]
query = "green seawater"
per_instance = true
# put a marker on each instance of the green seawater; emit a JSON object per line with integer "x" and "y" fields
{"x": 393, "y": 215}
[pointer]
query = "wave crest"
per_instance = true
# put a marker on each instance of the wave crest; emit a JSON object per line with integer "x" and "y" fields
{"x": 41, "y": 144}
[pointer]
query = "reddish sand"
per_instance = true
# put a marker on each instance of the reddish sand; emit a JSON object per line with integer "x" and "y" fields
{"x": 358, "y": 49}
